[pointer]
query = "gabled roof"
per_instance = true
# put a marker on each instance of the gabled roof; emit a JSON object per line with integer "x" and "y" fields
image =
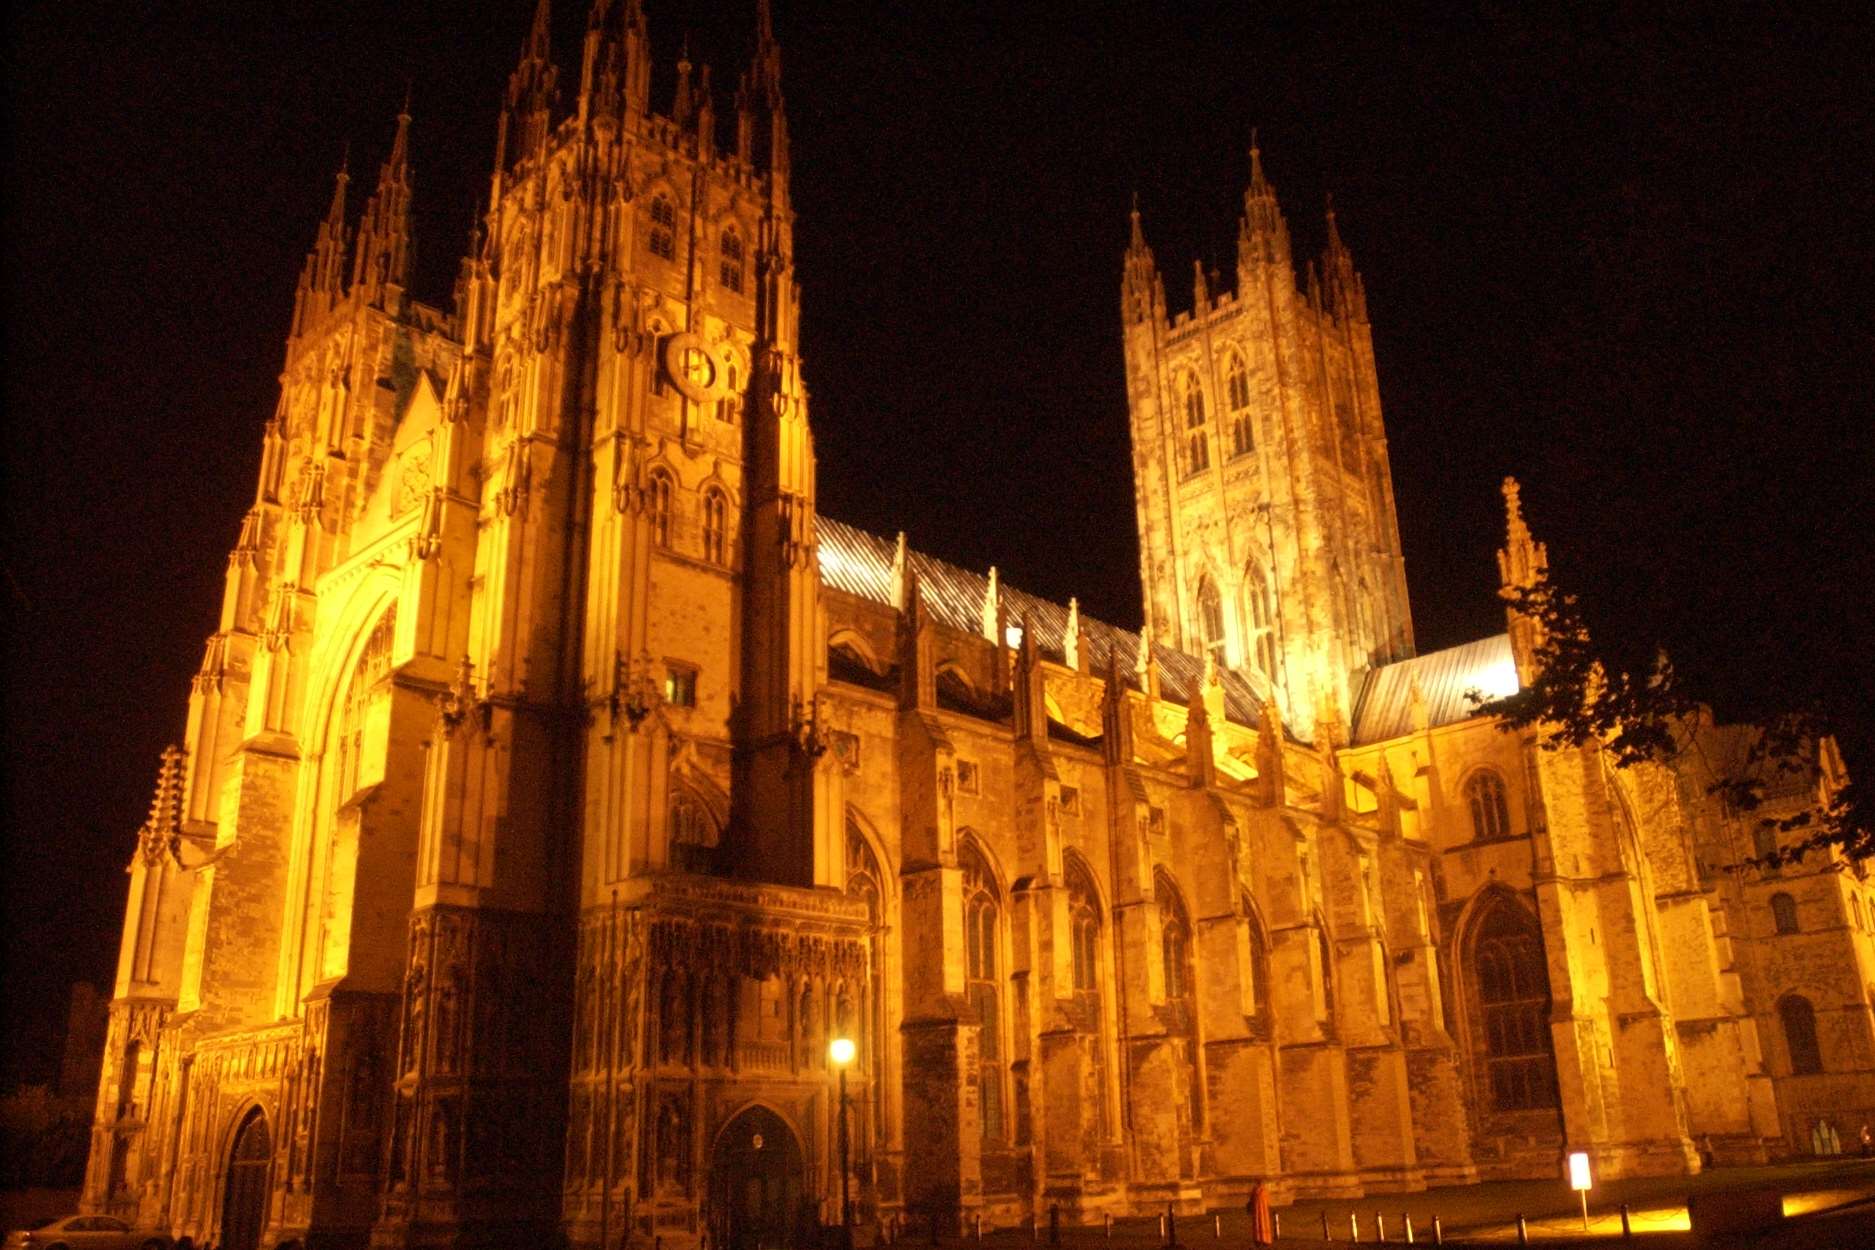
{"x": 860, "y": 564}
{"x": 1384, "y": 708}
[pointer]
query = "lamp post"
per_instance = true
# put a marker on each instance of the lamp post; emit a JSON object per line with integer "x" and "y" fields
{"x": 841, "y": 1051}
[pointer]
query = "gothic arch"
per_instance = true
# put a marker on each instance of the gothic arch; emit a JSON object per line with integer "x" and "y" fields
{"x": 1258, "y": 933}
{"x": 1501, "y": 975}
{"x": 854, "y": 642}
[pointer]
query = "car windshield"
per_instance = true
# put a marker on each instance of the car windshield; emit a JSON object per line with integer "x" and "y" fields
{"x": 36, "y": 1225}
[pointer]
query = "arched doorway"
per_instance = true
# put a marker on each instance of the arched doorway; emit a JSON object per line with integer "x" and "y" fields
{"x": 755, "y": 1185}
{"x": 244, "y": 1204}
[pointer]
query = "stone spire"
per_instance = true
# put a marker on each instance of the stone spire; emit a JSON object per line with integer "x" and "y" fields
{"x": 761, "y": 118}
{"x": 1071, "y": 636}
{"x": 322, "y": 281}
{"x": 381, "y": 268}
{"x": 1342, "y": 291}
{"x": 1522, "y": 563}
{"x": 1142, "y": 294}
{"x": 532, "y": 91}
{"x": 993, "y": 608}
{"x": 1262, "y": 234}
{"x": 1522, "y": 560}
{"x": 615, "y": 65}
{"x": 162, "y": 832}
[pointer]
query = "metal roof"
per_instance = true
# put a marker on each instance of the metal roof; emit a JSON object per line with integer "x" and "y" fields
{"x": 860, "y": 564}
{"x": 1445, "y": 678}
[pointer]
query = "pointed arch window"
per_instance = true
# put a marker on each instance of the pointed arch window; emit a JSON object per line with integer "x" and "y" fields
{"x": 1784, "y": 912}
{"x": 1259, "y": 969}
{"x": 729, "y": 407}
{"x": 731, "y": 267}
{"x": 1798, "y": 1017}
{"x": 1490, "y": 811}
{"x": 1197, "y": 445}
{"x": 694, "y": 835}
{"x": 1512, "y": 1004}
{"x": 1084, "y": 937}
{"x": 983, "y": 985}
{"x": 659, "y": 507}
{"x": 1261, "y": 619}
{"x": 866, "y": 881}
{"x": 1211, "y": 619}
{"x": 1181, "y": 990}
{"x": 1237, "y": 398}
{"x": 663, "y": 239}
{"x": 715, "y": 526}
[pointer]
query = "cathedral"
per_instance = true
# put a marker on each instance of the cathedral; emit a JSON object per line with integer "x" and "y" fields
{"x": 559, "y": 784}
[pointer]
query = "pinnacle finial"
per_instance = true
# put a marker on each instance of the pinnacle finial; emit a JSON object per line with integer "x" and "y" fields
{"x": 1522, "y": 557}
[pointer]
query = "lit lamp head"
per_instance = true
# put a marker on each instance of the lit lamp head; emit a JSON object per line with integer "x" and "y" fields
{"x": 1579, "y": 1170}
{"x": 841, "y": 1051}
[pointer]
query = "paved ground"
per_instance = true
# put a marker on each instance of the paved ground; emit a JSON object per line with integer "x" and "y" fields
{"x": 1487, "y": 1213}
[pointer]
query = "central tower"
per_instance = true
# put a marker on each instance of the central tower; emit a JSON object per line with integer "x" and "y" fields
{"x": 1264, "y": 498}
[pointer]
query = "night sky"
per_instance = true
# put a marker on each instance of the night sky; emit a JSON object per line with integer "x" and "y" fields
{"x": 1625, "y": 260}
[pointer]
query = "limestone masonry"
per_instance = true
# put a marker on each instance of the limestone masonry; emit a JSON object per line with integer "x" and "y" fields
{"x": 558, "y": 782}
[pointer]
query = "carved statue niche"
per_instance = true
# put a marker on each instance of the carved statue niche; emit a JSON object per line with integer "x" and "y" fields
{"x": 416, "y": 1003}
{"x": 673, "y": 1169}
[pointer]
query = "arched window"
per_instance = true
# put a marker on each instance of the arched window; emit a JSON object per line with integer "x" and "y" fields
{"x": 1261, "y": 619}
{"x": 1490, "y": 813}
{"x": 1855, "y": 911}
{"x": 1325, "y": 955}
{"x": 715, "y": 526}
{"x": 729, "y": 407}
{"x": 1784, "y": 912}
{"x": 865, "y": 881}
{"x": 1799, "y": 1020}
{"x": 1084, "y": 934}
{"x": 1180, "y": 989}
{"x": 1259, "y": 969}
{"x": 1197, "y": 446}
{"x": 1237, "y": 396}
{"x": 732, "y": 261}
{"x": 1512, "y": 989}
{"x": 983, "y": 983}
{"x": 660, "y": 507}
{"x": 1211, "y": 619}
{"x": 127, "y": 1079}
{"x": 663, "y": 240}
{"x": 694, "y": 836}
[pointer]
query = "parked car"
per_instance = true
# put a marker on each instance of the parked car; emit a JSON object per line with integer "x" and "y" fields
{"x": 86, "y": 1232}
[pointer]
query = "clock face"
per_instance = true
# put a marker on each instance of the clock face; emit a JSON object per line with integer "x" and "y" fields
{"x": 692, "y": 367}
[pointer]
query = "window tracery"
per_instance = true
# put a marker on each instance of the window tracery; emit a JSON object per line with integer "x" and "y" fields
{"x": 731, "y": 268}
{"x": 1211, "y": 619}
{"x": 1490, "y": 811}
{"x": 1197, "y": 445}
{"x": 1237, "y": 395}
{"x": 715, "y": 526}
{"x": 661, "y": 489}
{"x": 663, "y": 238}
{"x": 1513, "y": 1008}
{"x": 1799, "y": 1020}
{"x": 983, "y": 984}
{"x": 1261, "y": 619}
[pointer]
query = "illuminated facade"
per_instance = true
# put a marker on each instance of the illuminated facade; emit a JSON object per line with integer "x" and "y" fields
{"x": 558, "y": 782}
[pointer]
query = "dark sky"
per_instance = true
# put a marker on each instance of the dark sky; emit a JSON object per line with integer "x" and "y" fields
{"x": 1625, "y": 260}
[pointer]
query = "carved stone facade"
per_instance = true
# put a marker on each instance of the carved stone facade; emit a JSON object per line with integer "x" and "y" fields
{"x": 559, "y": 782}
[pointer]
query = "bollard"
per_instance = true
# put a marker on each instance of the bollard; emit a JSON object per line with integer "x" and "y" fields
{"x": 1354, "y": 1228}
{"x": 1406, "y": 1218}
{"x": 1107, "y": 1219}
{"x": 1054, "y": 1223}
{"x": 1324, "y": 1226}
{"x": 979, "y": 1221}
{"x": 1276, "y": 1225}
{"x": 1438, "y": 1230}
{"x": 1380, "y": 1226}
{"x": 1523, "y": 1230}
{"x": 1627, "y": 1229}
{"x": 1217, "y": 1228}
{"x": 1162, "y": 1228}
{"x": 1171, "y": 1225}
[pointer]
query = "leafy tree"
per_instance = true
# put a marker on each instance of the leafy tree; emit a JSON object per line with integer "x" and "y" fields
{"x": 1647, "y": 710}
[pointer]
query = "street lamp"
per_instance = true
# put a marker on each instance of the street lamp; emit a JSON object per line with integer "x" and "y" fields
{"x": 841, "y": 1051}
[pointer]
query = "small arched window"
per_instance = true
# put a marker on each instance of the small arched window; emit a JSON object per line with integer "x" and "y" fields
{"x": 1512, "y": 986}
{"x": 1180, "y": 982}
{"x": 1211, "y": 619}
{"x": 1784, "y": 912}
{"x": 694, "y": 836}
{"x": 715, "y": 526}
{"x": 732, "y": 261}
{"x": 1261, "y": 618}
{"x": 1799, "y": 1020}
{"x": 983, "y": 984}
{"x": 1197, "y": 446}
{"x": 1084, "y": 934}
{"x": 659, "y": 507}
{"x": 730, "y": 405}
{"x": 663, "y": 240}
{"x": 1237, "y": 395}
{"x": 1490, "y": 812}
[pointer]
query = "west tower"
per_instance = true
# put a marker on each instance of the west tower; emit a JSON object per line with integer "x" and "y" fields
{"x": 1261, "y": 483}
